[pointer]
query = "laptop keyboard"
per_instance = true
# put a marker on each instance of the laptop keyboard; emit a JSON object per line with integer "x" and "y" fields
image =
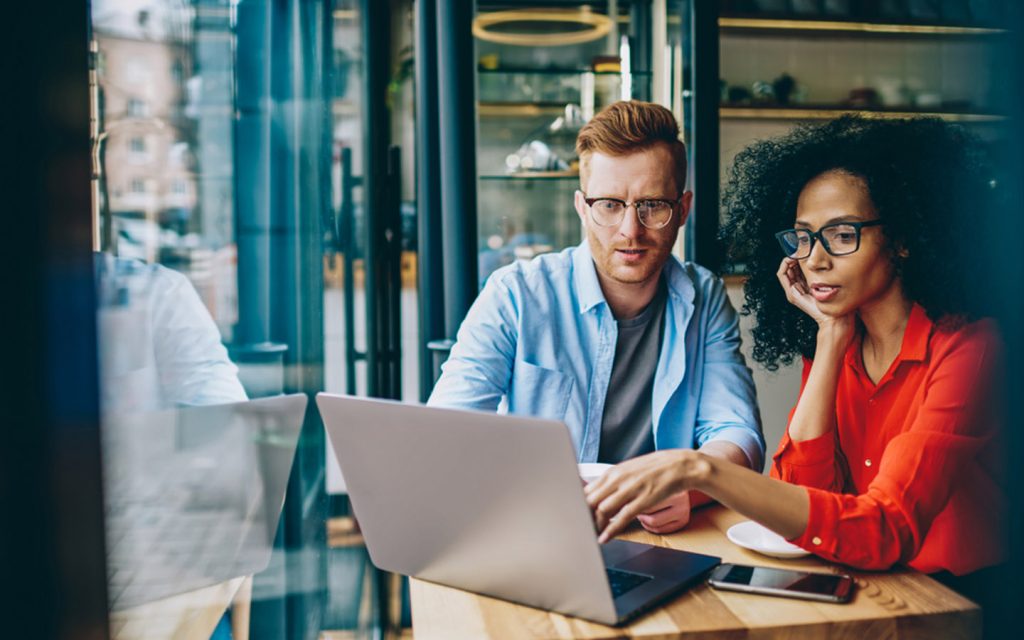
{"x": 623, "y": 581}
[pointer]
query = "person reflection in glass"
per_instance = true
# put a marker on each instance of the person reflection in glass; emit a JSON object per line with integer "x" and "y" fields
{"x": 159, "y": 346}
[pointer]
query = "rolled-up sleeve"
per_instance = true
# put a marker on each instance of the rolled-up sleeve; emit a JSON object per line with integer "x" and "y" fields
{"x": 727, "y": 408}
{"x": 809, "y": 463}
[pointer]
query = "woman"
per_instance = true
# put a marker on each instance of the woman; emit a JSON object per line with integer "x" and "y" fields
{"x": 891, "y": 454}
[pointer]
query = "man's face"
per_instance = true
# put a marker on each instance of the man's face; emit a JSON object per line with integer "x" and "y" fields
{"x": 629, "y": 253}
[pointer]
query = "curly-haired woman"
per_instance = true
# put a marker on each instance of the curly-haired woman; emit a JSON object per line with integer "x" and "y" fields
{"x": 892, "y": 452}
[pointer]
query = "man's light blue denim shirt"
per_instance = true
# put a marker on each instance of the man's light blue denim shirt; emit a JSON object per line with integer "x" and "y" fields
{"x": 542, "y": 335}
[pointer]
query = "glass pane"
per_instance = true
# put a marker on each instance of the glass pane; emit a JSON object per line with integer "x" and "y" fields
{"x": 213, "y": 152}
{"x": 540, "y": 79}
{"x": 350, "y": 573}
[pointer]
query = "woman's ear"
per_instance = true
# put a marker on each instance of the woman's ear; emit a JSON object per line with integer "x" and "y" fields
{"x": 903, "y": 253}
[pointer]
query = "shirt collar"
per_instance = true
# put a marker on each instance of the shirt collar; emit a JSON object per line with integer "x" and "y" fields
{"x": 916, "y": 335}
{"x": 915, "y": 340}
{"x": 588, "y": 287}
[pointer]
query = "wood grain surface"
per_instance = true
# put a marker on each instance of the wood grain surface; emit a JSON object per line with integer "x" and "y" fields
{"x": 896, "y": 604}
{"x": 188, "y": 616}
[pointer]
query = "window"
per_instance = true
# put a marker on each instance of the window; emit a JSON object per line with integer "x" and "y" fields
{"x": 201, "y": 309}
{"x": 136, "y": 108}
{"x": 177, "y": 72}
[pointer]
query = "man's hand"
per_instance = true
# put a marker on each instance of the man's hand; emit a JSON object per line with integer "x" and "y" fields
{"x": 669, "y": 516}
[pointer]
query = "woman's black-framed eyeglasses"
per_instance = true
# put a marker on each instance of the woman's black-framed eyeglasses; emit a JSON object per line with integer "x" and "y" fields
{"x": 654, "y": 213}
{"x": 838, "y": 238}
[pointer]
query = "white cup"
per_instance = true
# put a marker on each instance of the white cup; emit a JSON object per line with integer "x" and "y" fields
{"x": 591, "y": 471}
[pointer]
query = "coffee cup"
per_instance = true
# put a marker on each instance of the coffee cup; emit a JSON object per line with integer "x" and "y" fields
{"x": 590, "y": 471}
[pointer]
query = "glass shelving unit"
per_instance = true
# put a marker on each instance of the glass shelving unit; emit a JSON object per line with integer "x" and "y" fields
{"x": 531, "y": 117}
{"x": 782, "y": 25}
{"x": 904, "y": 64}
{"x": 828, "y": 112}
{"x": 810, "y": 28}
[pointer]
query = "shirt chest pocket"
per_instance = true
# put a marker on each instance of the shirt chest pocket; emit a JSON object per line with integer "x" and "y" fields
{"x": 539, "y": 392}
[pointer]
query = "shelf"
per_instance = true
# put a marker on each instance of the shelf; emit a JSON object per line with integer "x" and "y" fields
{"x": 794, "y": 113}
{"x": 535, "y": 175}
{"x": 342, "y": 107}
{"x": 558, "y": 72}
{"x": 739, "y": 24}
{"x": 520, "y": 109}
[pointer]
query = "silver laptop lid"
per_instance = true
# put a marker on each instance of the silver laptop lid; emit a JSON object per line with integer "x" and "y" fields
{"x": 487, "y": 503}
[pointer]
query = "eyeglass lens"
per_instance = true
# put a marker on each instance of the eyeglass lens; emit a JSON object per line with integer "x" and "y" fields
{"x": 652, "y": 213}
{"x": 839, "y": 239}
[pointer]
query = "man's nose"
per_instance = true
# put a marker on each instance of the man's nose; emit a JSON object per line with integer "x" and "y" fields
{"x": 630, "y": 225}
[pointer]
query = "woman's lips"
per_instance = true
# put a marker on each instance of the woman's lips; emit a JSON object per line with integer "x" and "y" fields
{"x": 824, "y": 292}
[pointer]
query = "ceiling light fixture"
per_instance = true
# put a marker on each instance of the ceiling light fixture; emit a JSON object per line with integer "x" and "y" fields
{"x": 599, "y": 26}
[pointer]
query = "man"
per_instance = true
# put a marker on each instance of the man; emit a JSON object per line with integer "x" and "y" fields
{"x": 631, "y": 348}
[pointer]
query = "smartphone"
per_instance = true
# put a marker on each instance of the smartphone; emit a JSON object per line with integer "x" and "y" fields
{"x": 824, "y": 587}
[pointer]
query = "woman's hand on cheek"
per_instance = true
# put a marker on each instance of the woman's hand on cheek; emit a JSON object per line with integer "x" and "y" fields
{"x": 797, "y": 292}
{"x": 799, "y": 295}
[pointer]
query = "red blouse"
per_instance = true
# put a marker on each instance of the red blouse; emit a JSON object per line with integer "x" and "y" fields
{"x": 922, "y": 452}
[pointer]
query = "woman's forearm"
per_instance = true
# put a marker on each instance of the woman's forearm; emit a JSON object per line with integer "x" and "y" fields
{"x": 815, "y": 413}
{"x": 780, "y": 506}
{"x": 633, "y": 487}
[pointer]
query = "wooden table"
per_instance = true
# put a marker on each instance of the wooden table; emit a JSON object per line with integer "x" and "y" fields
{"x": 895, "y": 604}
{"x": 187, "y": 616}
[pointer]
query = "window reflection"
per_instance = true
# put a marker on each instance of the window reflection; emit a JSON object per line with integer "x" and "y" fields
{"x": 195, "y": 469}
{"x": 194, "y": 495}
{"x": 160, "y": 347}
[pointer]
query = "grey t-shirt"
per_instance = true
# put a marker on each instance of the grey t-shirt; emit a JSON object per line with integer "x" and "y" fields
{"x": 626, "y": 427}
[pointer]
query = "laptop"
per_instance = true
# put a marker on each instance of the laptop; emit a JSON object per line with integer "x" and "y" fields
{"x": 491, "y": 504}
{"x": 194, "y": 495}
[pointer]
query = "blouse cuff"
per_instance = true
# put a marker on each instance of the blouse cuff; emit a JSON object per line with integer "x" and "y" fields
{"x": 816, "y": 451}
{"x": 819, "y": 536}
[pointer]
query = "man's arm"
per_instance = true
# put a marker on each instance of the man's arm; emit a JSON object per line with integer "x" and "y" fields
{"x": 728, "y": 423}
{"x": 477, "y": 373}
{"x": 727, "y": 411}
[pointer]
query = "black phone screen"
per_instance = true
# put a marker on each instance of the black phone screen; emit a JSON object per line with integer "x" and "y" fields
{"x": 824, "y": 584}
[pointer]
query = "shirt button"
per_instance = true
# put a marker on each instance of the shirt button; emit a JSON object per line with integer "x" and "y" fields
{"x": 867, "y": 463}
{"x": 816, "y": 540}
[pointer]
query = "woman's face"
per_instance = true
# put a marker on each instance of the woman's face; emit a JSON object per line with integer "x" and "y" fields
{"x": 847, "y": 283}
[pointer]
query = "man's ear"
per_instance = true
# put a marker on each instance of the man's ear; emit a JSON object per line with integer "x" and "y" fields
{"x": 685, "y": 203}
{"x": 581, "y": 206}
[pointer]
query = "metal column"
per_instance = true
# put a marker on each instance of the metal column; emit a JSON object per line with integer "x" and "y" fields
{"x": 428, "y": 193}
{"x": 457, "y": 100}
{"x": 702, "y": 244}
{"x": 381, "y": 202}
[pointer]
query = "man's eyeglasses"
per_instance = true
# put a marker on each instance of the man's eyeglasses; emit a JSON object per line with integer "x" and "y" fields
{"x": 653, "y": 213}
{"x": 838, "y": 238}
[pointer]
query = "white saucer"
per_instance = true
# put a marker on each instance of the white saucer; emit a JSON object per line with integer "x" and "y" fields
{"x": 753, "y": 536}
